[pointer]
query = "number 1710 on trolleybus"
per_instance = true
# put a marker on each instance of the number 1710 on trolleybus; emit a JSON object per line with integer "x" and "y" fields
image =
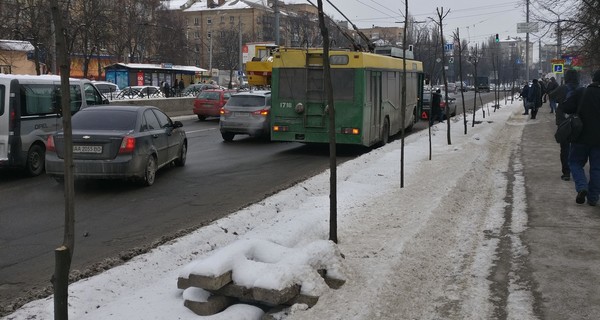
{"x": 367, "y": 94}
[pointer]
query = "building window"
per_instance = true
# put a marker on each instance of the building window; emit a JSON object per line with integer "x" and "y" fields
{"x": 196, "y": 35}
{"x": 222, "y": 19}
{"x": 5, "y": 69}
{"x": 209, "y": 21}
{"x": 196, "y": 21}
{"x": 231, "y": 19}
{"x": 209, "y": 34}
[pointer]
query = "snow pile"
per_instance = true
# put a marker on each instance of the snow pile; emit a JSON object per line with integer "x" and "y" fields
{"x": 422, "y": 251}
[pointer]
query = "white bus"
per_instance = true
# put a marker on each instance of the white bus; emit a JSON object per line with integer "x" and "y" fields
{"x": 30, "y": 111}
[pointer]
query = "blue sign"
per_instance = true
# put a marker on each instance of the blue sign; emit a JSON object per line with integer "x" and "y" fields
{"x": 448, "y": 47}
{"x": 557, "y": 68}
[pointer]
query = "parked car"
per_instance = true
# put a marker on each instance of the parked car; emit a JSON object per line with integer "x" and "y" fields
{"x": 196, "y": 88}
{"x": 427, "y": 104}
{"x": 208, "y": 103}
{"x": 138, "y": 92}
{"x": 124, "y": 142}
{"x": 246, "y": 113}
{"x": 108, "y": 89}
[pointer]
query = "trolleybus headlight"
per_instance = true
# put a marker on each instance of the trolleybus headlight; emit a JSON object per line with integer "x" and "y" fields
{"x": 299, "y": 108}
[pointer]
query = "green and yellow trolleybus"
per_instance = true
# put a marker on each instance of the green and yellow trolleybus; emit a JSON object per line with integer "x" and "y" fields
{"x": 367, "y": 93}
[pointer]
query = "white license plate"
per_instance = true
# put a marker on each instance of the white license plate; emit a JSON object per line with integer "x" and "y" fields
{"x": 242, "y": 114}
{"x": 87, "y": 149}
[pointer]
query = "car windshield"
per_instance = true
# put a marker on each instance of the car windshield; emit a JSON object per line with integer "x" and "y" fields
{"x": 246, "y": 101}
{"x": 209, "y": 95}
{"x": 118, "y": 120}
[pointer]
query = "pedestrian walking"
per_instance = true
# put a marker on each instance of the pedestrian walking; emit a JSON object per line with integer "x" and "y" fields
{"x": 176, "y": 87}
{"x": 436, "y": 110}
{"x": 524, "y": 94}
{"x": 550, "y": 87}
{"x": 559, "y": 95}
{"x": 586, "y": 148}
{"x": 534, "y": 98}
{"x": 181, "y": 86}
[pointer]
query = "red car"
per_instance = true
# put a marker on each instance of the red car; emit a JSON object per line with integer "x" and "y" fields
{"x": 209, "y": 102}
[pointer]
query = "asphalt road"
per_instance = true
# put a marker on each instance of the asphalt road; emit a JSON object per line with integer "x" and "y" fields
{"x": 117, "y": 220}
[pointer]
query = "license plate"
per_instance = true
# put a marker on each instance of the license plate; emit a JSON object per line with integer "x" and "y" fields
{"x": 242, "y": 114}
{"x": 87, "y": 149}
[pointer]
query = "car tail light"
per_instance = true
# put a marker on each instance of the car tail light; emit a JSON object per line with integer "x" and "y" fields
{"x": 224, "y": 111}
{"x": 263, "y": 112}
{"x": 50, "y": 144}
{"x": 127, "y": 145}
{"x": 13, "y": 119}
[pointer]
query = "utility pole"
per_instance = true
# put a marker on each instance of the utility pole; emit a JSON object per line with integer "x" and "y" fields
{"x": 241, "y": 62}
{"x": 527, "y": 45}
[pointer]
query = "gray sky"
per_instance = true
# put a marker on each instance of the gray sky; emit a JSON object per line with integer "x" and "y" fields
{"x": 476, "y": 20}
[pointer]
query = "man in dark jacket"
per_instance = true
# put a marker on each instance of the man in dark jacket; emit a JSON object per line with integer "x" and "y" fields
{"x": 436, "y": 110}
{"x": 587, "y": 146}
{"x": 559, "y": 94}
{"x": 534, "y": 97}
{"x": 551, "y": 86}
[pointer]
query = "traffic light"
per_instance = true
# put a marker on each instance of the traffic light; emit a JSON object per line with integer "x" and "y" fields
{"x": 497, "y": 38}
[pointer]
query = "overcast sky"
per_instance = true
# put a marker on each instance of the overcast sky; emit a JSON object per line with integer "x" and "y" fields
{"x": 476, "y": 20}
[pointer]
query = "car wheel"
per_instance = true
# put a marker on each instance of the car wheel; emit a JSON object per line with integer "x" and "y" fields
{"x": 227, "y": 136}
{"x": 180, "y": 161}
{"x": 201, "y": 118}
{"x": 35, "y": 160}
{"x": 150, "y": 171}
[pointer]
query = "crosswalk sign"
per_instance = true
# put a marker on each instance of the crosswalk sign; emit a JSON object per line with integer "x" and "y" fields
{"x": 558, "y": 68}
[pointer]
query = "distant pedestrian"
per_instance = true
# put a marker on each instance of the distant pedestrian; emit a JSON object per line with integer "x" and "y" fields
{"x": 534, "y": 98}
{"x": 559, "y": 95}
{"x": 550, "y": 87}
{"x": 436, "y": 110}
{"x": 181, "y": 86}
{"x": 167, "y": 89}
{"x": 524, "y": 94}
{"x": 587, "y": 146}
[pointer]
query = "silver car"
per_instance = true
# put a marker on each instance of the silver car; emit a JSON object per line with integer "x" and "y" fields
{"x": 246, "y": 113}
{"x": 124, "y": 142}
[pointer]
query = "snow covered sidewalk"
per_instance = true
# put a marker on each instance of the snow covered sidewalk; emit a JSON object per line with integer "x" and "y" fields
{"x": 423, "y": 251}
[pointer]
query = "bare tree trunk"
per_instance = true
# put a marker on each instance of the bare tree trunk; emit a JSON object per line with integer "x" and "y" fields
{"x": 64, "y": 253}
{"x": 441, "y": 16}
{"x": 332, "y": 142}
{"x": 403, "y": 111}
{"x": 460, "y": 77}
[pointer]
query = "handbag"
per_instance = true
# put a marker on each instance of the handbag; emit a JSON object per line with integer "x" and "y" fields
{"x": 569, "y": 129}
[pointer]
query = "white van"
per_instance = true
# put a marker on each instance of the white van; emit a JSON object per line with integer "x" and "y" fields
{"x": 29, "y": 112}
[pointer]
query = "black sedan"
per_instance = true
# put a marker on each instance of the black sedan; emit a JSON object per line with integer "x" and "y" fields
{"x": 125, "y": 142}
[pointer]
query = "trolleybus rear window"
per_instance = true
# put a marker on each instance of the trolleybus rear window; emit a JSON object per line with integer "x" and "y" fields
{"x": 300, "y": 84}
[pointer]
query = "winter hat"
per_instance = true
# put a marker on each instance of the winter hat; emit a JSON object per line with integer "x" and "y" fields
{"x": 571, "y": 76}
{"x": 596, "y": 77}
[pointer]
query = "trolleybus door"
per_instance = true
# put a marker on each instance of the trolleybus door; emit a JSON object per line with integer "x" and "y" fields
{"x": 374, "y": 102}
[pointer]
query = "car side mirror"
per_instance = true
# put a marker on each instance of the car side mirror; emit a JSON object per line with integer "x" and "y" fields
{"x": 177, "y": 124}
